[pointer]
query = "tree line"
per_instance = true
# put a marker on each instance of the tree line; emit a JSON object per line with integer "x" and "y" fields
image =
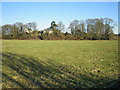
{"x": 90, "y": 29}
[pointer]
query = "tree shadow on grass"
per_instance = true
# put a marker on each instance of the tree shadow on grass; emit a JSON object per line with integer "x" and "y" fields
{"x": 28, "y": 72}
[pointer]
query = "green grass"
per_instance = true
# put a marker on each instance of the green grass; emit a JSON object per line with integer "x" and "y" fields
{"x": 54, "y": 64}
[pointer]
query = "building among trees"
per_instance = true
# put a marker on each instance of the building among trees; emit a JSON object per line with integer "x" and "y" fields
{"x": 90, "y": 29}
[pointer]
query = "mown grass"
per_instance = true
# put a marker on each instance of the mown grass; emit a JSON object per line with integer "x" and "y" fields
{"x": 55, "y": 64}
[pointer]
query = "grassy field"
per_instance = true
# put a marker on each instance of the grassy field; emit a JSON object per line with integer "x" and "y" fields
{"x": 54, "y": 64}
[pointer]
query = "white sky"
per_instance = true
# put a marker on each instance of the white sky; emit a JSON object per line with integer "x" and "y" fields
{"x": 60, "y": 0}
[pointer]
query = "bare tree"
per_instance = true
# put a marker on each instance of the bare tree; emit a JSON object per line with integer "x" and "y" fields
{"x": 61, "y": 26}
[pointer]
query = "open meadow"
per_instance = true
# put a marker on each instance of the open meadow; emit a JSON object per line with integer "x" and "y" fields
{"x": 55, "y": 63}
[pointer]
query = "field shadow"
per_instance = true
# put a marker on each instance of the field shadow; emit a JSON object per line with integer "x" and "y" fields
{"x": 29, "y": 72}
